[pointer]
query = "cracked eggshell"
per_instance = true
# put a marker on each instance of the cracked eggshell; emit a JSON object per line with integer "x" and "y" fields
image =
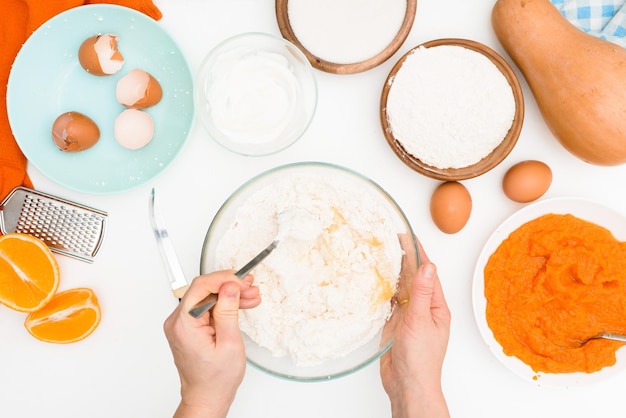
{"x": 74, "y": 131}
{"x": 133, "y": 129}
{"x": 99, "y": 55}
{"x": 138, "y": 90}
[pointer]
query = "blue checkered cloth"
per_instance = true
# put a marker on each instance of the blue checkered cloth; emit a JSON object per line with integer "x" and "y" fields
{"x": 605, "y": 19}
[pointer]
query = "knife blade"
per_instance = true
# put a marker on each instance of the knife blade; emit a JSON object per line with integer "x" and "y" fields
{"x": 170, "y": 261}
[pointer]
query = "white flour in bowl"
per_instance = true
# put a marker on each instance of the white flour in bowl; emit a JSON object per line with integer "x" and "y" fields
{"x": 449, "y": 106}
{"x": 326, "y": 288}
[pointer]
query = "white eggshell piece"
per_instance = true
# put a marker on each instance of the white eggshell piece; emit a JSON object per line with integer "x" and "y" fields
{"x": 132, "y": 87}
{"x": 106, "y": 49}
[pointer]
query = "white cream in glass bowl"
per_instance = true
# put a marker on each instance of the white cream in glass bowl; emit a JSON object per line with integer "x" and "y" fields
{"x": 255, "y": 93}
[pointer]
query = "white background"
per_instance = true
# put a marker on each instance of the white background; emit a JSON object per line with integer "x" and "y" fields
{"x": 125, "y": 368}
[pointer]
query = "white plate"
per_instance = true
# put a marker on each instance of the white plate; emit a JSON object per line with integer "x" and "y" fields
{"x": 583, "y": 209}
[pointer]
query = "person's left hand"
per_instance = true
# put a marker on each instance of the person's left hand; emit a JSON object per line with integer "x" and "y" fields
{"x": 209, "y": 352}
{"x": 411, "y": 369}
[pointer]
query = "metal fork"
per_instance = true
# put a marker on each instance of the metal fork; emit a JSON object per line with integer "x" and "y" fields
{"x": 207, "y": 303}
{"x": 605, "y": 335}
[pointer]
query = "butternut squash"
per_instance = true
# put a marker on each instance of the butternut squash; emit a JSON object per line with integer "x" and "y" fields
{"x": 577, "y": 79}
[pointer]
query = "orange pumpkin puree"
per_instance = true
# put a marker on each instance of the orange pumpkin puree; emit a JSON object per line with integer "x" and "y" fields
{"x": 555, "y": 280}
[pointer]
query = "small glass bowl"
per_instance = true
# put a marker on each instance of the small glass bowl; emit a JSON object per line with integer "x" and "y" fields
{"x": 285, "y": 367}
{"x": 255, "y": 94}
{"x": 488, "y": 162}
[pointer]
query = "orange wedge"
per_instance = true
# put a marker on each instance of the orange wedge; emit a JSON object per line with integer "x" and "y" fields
{"x": 29, "y": 273}
{"x": 70, "y": 316}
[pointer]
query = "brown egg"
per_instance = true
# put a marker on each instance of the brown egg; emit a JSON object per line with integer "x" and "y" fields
{"x": 73, "y": 131}
{"x": 99, "y": 55}
{"x": 527, "y": 181}
{"x": 450, "y": 206}
{"x": 138, "y": 90}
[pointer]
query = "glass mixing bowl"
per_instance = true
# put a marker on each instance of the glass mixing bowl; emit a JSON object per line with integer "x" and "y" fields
{"x": 285, "y": 367}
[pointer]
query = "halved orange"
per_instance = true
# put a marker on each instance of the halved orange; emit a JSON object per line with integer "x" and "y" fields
{"x": 29, "y": 273}
{"x": 70, "y": 316}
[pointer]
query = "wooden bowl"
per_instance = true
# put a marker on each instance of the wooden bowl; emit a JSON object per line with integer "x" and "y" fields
{"x": 491, "y": 160}
{"x": 282, "y": 16}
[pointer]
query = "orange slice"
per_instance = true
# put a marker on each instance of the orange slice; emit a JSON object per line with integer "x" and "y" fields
{"x": 29, "y": 273}
{"x": 70, "y": 316}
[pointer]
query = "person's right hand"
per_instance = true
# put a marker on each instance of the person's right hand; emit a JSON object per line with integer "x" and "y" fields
{"x": 411, "y": 369}
{"x": 208, "y": 351}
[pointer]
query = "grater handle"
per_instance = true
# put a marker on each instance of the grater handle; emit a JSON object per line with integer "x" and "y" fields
{"x": 10, "y": 210}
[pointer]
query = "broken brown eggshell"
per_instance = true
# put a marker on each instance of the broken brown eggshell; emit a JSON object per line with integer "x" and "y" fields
{"x": 99, "y": 55}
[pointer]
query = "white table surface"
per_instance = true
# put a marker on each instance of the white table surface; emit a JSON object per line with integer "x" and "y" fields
{"x": 125, "y": 368}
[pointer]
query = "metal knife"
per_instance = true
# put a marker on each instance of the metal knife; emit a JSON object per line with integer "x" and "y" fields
{"x": 170, "y": 261}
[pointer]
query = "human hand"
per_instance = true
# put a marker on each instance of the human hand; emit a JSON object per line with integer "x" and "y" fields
{"x": 209, "y": 352}
{"x": 411, "y": 370}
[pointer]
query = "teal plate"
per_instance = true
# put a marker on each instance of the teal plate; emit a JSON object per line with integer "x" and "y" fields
{"x": 47, "y": 80}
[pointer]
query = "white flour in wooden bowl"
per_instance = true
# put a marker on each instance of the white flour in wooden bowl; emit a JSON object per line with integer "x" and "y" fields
{"x": 449, "y": 106}
{"x": 326, "y": 289}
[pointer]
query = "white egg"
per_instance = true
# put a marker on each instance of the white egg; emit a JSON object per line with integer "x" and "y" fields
{"x": 133, "y": 129}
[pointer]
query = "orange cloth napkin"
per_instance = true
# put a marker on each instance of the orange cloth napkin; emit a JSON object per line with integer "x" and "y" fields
{"x": 18, "y": 20}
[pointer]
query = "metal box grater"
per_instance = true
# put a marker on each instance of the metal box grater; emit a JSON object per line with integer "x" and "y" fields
{"x": 66, "y": 227}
